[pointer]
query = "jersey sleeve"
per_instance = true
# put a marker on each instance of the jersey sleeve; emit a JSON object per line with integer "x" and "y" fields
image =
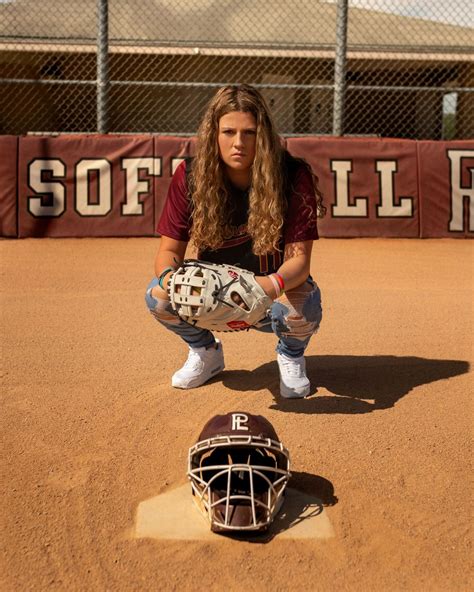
{"x": 301, "y": 222}
{"x": 175, "y": 220}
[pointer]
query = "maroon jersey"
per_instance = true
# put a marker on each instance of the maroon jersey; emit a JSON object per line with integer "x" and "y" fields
{"x": 300, "y": 220}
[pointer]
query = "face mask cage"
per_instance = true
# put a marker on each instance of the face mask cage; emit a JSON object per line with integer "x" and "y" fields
{"x": 238, "y": 481}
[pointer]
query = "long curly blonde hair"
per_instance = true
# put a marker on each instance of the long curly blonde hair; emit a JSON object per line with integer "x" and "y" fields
{"x": 211, "y": 205}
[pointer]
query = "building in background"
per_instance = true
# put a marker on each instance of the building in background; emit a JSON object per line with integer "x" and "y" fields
{"x": 406, "y": 77}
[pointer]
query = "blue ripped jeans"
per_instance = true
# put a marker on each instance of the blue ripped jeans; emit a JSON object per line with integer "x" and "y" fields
{"x": 294, "y": 318}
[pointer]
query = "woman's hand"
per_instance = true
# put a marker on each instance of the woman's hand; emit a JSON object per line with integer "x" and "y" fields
{"x": 267, "y": 286}
{"x": 162, "y": 293}
{"x": 170, "y": 254}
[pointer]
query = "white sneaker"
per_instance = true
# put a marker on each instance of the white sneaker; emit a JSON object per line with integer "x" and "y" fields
{"x": 201, "y": 365}
{"x": 294, "y": 383}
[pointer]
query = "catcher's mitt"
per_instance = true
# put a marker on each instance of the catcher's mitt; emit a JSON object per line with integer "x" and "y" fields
{"x": 218, "y": 297}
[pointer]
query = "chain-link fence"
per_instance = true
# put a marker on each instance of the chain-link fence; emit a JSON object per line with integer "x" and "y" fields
{"x": 392, "y": 68}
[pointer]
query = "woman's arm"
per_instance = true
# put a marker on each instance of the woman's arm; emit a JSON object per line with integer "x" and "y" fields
{"x": 170, "y": 254}
{"x": 295, "y": 267}
{"x": 296, "y": 263}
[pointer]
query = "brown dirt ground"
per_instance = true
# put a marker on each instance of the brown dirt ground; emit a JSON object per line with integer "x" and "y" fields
{"x": 91, "y": 426}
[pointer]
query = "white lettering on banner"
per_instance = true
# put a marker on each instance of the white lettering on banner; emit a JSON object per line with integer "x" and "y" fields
{"x": 460, "y": 193}
{"x": 387, "y": 208}
{"x": 47, "y": 176}
{"x": 53, "y": 189}
{"x": 175, "y": 162}
{"x": 342, "y": 208}
{"x": 104, "y": 186}
{"x": 239, "y": 420}
{"x": 134, "y": 186}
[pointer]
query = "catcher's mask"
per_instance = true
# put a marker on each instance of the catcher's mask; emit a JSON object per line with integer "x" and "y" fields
{"x": 238, "y": 471}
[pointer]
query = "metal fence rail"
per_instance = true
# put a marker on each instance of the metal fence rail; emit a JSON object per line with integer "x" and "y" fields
{"x": 360, "y": 67}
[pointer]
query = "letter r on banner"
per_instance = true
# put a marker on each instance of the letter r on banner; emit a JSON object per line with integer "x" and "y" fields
{"x": 458, "y": 192}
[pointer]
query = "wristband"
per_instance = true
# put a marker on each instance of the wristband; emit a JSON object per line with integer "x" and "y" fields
{"x": 276, "y": 285}
{"x": 162, "y": 276}
{"x": 280, "y": 280}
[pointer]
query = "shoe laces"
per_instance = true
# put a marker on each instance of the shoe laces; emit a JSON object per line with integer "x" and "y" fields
{"x": 291, "y": 367}
{"x": 194, "y": 359}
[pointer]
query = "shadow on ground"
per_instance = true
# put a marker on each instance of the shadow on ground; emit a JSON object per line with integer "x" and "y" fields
{"x": 307, "y": 496}
{"x": 358, "y": 384}
{"x": 314, "y": 485}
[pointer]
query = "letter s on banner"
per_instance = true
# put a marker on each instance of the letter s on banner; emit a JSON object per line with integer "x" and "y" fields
{"x": 52, "y": 201}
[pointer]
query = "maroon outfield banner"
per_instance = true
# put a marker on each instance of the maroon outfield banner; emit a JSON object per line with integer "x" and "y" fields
{"x": 115, "y": 185}
{"x": 369, "y": 186}
{"x": 87, "y": 186}
{"x": 446, "y": 173}
{"x": 8, "y": 185}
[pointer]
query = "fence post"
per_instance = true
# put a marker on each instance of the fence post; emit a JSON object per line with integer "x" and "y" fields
{"x": 340, "y": 67}
{"x": 102, "y": 65}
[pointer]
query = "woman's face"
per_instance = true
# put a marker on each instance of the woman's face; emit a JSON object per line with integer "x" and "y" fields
{"x": 236, "y": 139}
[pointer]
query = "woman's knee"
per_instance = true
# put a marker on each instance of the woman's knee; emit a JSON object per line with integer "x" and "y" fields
{"x": 305, "y": 300}
{"x": 312, "y": 309}
{"x": 160, "y": 308}
{"x": 150, "y": 299}
{"x": 299, "y": 312}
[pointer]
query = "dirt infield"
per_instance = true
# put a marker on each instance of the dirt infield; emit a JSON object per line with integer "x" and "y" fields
{"x": 92, "y": 427}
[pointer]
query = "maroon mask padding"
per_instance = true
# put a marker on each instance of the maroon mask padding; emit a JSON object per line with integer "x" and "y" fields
{"x": 240, "y": 515}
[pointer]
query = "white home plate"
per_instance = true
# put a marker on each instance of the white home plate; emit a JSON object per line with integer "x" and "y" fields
{"x": 173, "y": 515}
